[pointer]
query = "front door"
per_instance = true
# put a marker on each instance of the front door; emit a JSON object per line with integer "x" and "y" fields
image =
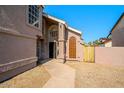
{"x": 51, "y": 49}
{"x": 72, "y": 47}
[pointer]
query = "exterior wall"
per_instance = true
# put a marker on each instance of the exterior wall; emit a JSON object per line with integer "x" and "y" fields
{"x": 80, "y": 51}
{"x": 17, "y": 41}
{"x": 79, "y": 46}
{"x": 46, "y": 41}
{"x": 118, "y": 34}
{"x": 110, "y": 56}
{"x": 61, "y": 40}
{"x": 108, "y": 44}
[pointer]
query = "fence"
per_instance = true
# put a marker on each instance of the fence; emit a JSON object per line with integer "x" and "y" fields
{"x": 109, "y": 55}
{"x": 89, "y": 54}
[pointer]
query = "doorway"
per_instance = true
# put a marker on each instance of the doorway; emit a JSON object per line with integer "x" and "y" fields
{"x": 72, "y": 47}
{"x": 52, "y": 50}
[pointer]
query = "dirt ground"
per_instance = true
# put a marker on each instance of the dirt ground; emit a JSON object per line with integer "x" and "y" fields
{"x": 28, "y": 79}
{"x": 91, "y": 75}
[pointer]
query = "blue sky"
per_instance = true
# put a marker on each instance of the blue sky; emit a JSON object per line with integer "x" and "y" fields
{"x": 93, "y": 21}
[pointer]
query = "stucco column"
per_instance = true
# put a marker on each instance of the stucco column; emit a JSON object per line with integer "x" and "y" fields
{"x": 61, "y": 40}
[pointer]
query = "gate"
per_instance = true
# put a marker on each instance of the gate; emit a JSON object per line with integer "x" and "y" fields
{"x": 89, "y": 54}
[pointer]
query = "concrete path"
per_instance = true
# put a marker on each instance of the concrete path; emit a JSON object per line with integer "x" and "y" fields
{"x": 62, "y": 76}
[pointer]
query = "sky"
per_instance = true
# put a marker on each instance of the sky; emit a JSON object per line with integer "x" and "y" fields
{"x": 93, "y": 21}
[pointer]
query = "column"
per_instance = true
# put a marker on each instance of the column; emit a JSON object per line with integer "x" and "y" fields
{"x": 61, "y": 40}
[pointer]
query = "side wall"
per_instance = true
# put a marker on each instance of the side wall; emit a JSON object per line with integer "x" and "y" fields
{"x": 17, "y": 42}
{"x": 111, "y": 56}
{"x": 118, "y": 34}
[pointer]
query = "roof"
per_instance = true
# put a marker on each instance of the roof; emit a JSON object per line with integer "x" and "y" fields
{"x": 105, "y": 40}
{"x": 74, "y": 30}
{"x": 108, "y": 41}
{"x": 61, "y": 21}
{"x": 54, "y": 18}
{"x": 116, "y": 24}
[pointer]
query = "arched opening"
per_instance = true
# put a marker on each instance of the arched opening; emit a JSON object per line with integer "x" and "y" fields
{"x": 72, "y": 47}
{"x": 53, "y": 33}
{"x": 53, "y": 38}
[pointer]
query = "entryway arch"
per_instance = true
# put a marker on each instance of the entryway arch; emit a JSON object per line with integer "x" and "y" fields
{"x": 53, "y": 38}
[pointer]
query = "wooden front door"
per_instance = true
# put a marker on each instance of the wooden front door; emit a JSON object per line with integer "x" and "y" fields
{"x": 72, "y": 47}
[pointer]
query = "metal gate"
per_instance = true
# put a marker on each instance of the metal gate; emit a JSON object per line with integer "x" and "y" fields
{"x": 89, "y": 54}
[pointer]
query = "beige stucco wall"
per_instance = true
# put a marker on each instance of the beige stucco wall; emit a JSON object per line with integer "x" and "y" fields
{"x": 118, "y": 34}
{"x": 17, "y": 41}
{"x": 61, "y": 40}
{"x": 46, "y": 39}
{"x": 110, "y": 56}
{"x": 79, "y": 46}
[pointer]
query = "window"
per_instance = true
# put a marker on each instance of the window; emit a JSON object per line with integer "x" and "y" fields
{"x": 33, "y": 15}
{"x": 53, "y": 34}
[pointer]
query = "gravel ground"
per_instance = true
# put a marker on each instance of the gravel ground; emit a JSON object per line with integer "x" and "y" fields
{"x": 34, "y": 78}
{"x": 91, "y": 75}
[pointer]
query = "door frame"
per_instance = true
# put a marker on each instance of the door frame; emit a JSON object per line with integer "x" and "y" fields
{"x": 54, "y": 49}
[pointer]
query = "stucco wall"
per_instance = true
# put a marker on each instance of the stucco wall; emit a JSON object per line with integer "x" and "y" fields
{"x": 14, "y": 18}
{"x": 46, "y": 39}
{"x": 118, "y": 34}
{"x": 61, "y": 39}
{"x": 112, "y": 56}
{"x": 79, "y": 47}
{"x": 17, "y": 40}
{"x": 14, "y": 48}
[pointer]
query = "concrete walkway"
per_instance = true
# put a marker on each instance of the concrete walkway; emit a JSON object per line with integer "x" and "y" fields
{"x": 62, "y": 76}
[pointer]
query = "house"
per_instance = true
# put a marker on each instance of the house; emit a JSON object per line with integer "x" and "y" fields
{"x": 108, "y": 43}
{"x": 20, "y": 28}
{"x": 117, "y": 33}
{"x": 63, "y": 42}
{"x": 27, "y": 36}
{"x": 105, "y": 42}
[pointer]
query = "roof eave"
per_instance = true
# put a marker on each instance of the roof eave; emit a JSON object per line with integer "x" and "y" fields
{"x": 116, "y": 24}
{"x": 61, "y": 21}
{"x": 53, "y": 18}
{"x": 74, "y": 30}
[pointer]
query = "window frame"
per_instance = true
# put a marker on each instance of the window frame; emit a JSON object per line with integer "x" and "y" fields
{"x": 27, "y": 19}
{"x": 53, "y": 34}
